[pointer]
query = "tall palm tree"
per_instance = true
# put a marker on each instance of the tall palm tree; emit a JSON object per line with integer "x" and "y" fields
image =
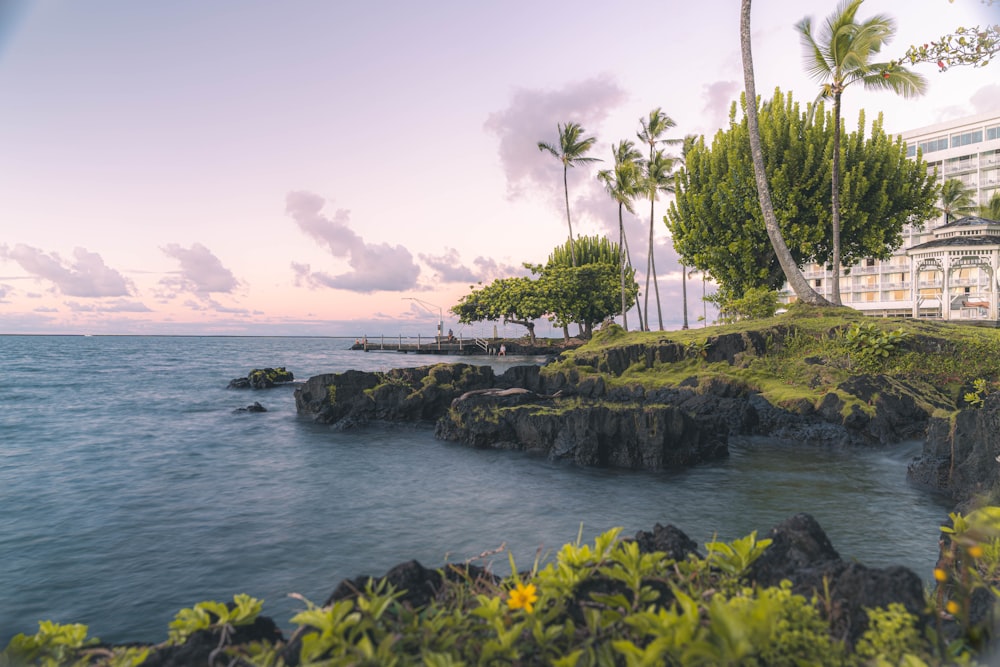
{"x": 991, "y": 210}
{"x": 841, "y": 56}
{"x": 688, "y": 143}
{"x": 795, "y": 279}
{"x": 658, "y": 179}
{"x": 956, "y": 199}
{"x": 622, "y": 184}
{"x": 571, "y": 151}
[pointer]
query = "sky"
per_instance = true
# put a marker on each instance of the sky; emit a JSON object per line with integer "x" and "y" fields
{"x": 322, "y": 167}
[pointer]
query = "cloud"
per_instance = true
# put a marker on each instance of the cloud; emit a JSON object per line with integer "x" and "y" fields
{"x": 116, "y": 306}
{"x": 488, "y": 268}
{"x": 85, "y": 276}
{"x": 5, "y": 291}
{"x": 449, "y": 267}
{"x": 986, "y": 99}
{"x": 375, "y": 267}
{"x": 718, "y": 97}
{"x": 201, "y": 271}
{"x": 532, "y": 117}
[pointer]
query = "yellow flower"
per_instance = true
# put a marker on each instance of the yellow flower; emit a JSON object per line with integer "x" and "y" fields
{"x": 523, "y": 597}
{"x": 952, "y": 607}
{"x": 940, "y": 575}
{"x": 976, "y": 551}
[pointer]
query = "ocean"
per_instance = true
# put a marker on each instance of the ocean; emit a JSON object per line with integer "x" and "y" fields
{"x": 129, "y": 487}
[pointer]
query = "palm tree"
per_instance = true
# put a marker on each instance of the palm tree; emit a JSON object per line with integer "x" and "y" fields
{"x": 956, "y": 199}
{"x": 571, "y": 151}
{"x": 622, "y": 184}
{"x": 796, "y": 281}
{"x": 991, "y": 211}
{"x": 658, "y": 179}
{"x": 842, "y": 56}
{"x": 688, "y": 142}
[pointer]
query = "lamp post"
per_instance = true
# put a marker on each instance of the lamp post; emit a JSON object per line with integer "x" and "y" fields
{"x": 428, "y": 307}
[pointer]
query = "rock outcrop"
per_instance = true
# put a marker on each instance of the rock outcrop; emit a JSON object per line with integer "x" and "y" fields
{"x": 961, "y": 455}
{"x": 580, "y": 413}
{"x": 262, "y": 378}
{"x": 801, "y": 552}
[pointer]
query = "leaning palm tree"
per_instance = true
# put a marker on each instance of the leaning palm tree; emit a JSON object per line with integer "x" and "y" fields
{"x": 658, "y": 179}
{"x": 571, "y": 151}
{"x": 841, "y": 56}
{"x": 956, "y": 199}
{"x": 622, "y": 184}
{"x": 793, "y": 275}
{"x": 991, "y": 210}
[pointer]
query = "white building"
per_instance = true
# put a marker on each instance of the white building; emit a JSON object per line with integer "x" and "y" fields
{"x": 941, "y": 271}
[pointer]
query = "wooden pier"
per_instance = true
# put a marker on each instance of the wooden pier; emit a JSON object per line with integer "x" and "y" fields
{"x": 429, "y": 345}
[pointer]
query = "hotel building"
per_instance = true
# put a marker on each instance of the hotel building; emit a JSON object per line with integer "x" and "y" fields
{"x": 942, "y": 271}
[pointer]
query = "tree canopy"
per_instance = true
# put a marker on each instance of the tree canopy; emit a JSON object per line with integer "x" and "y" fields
{"x": 587, "y": 293}
{"x": 716, "y": 220}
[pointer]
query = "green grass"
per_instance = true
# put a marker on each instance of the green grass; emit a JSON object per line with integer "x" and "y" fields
{"x": 808, "y": 356}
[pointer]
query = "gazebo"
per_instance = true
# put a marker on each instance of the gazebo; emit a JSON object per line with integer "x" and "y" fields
{"x": 954, "y": 275}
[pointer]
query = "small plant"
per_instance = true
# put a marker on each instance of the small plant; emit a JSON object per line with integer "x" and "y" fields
{"x": 698, "y": 348}
{"x": 211, "y": 615}
{"x": 976, "y": 397}
{"x": 870, "y": 345}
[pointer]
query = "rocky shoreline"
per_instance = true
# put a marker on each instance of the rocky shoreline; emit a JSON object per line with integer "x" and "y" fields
{"x": 577, "y": 414}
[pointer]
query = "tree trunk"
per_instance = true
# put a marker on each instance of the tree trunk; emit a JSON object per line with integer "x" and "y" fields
{"x": 798, "y": 283}
{"x": 652, "y": 265}
{"x": 621, "y": 262}
{"x": 527, "y": 324}
{"x": 572, "y": 251}
{"x": 835, "y": 202}
{"x": 628, "y": 256}
{"x": 684, "y": 294}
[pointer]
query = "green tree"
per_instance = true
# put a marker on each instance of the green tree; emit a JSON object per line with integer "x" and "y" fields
{"x": 718, "y": 225}
{"x": 991, "y": 209}
{"x": 622, "y": 185}
{"x": 757, "y": 303}
{"x": 571, "y": 151}
{"x": 841, "y": 56}
{"x": 956, "y": 200}
{"x": 517, "y": 300}
{"x": 793, "y": 275}
{"x": 588, "y": 293}
{"x": 656, "y": 179}
{"x": 585, "y": 293}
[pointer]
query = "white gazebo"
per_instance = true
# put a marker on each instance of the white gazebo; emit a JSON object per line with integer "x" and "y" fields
{"x": 954, "y": 275}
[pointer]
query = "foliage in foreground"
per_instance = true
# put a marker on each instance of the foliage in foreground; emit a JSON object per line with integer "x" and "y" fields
{"x": 601, "y": 604}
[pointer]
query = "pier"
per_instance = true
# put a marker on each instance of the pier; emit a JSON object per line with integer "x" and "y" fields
{"x": 428, "y": 345}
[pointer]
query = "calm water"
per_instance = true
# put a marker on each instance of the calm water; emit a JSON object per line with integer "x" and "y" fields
{"x": 129, "y": 489}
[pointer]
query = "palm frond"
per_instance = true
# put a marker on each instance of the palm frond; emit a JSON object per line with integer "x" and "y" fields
{"x": 817, "y": 66}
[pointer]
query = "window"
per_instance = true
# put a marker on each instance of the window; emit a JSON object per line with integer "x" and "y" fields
{"x": 966, "y": 138}
{"x": 993, "y": 133}
{"x": 819, "y": 282}
{"x": 938, "y": 144}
